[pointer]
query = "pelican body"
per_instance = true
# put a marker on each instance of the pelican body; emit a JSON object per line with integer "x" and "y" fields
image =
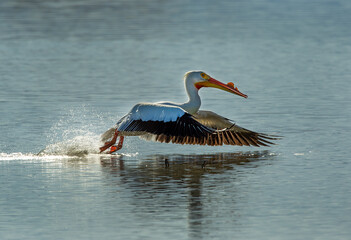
{"x": 184, "y": 123}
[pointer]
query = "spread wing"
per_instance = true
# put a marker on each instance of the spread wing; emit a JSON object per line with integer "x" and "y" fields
{"x": 227, "y": 133}
{"x": 164, "y": 123}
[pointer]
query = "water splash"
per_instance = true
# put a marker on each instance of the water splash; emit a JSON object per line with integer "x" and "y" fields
{"x": 78, "y": 146}
{"x": 77, "y": 132}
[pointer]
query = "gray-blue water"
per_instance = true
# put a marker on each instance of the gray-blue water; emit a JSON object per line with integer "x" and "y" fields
{"x": 70, "y": 69}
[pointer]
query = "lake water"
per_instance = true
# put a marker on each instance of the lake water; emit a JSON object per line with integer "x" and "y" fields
{"x": 70, "y": 69}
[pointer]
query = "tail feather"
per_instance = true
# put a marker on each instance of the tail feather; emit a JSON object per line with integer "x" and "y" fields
{"x": 108, "y": 134}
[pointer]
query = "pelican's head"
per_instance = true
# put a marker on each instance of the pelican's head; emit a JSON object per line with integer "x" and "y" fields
{"x": 201, "y": 79}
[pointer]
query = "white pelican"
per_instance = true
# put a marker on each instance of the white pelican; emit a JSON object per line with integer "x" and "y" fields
{"x": 184, "y": 123}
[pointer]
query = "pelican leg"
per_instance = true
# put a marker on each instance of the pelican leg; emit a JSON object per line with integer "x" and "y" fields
{"x": 119, "y": 145}
{"x": 109, "y": 143}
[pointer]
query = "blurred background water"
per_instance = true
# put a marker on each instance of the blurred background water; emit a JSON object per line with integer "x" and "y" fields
{"x": 70, "y": 69}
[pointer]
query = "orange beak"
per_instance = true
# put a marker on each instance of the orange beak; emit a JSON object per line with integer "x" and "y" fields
{"x": 211, "y": 82}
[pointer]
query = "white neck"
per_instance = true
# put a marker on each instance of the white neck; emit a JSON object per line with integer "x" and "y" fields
{"x": 194, "y": 102}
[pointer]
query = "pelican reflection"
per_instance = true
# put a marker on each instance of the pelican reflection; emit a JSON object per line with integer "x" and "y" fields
{"x": 188, "y": 183}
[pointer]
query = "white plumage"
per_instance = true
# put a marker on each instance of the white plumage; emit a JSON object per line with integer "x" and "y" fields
{"x": 155, "y": 112}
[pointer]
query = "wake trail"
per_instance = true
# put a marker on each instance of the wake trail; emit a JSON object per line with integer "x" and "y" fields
{"x": 76, "y": 134}
{"x": 77, "y": 146}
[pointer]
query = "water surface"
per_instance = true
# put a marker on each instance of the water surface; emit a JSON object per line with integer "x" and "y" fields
{"x": 70, "y": 69}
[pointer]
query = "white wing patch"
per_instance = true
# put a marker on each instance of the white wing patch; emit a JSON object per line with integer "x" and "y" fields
{"x": 151, "y": 112}
{"x": 156, "y": 112}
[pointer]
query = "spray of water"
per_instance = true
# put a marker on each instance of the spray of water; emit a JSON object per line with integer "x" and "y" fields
{"x": 77, "y": 133}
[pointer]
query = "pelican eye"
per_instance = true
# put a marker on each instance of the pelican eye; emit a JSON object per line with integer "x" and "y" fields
{"x": 204, "y": 76}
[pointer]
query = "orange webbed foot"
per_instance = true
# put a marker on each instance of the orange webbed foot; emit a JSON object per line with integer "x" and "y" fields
{"x": 110, "y": 143}
{"x": 118, "y": 147}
